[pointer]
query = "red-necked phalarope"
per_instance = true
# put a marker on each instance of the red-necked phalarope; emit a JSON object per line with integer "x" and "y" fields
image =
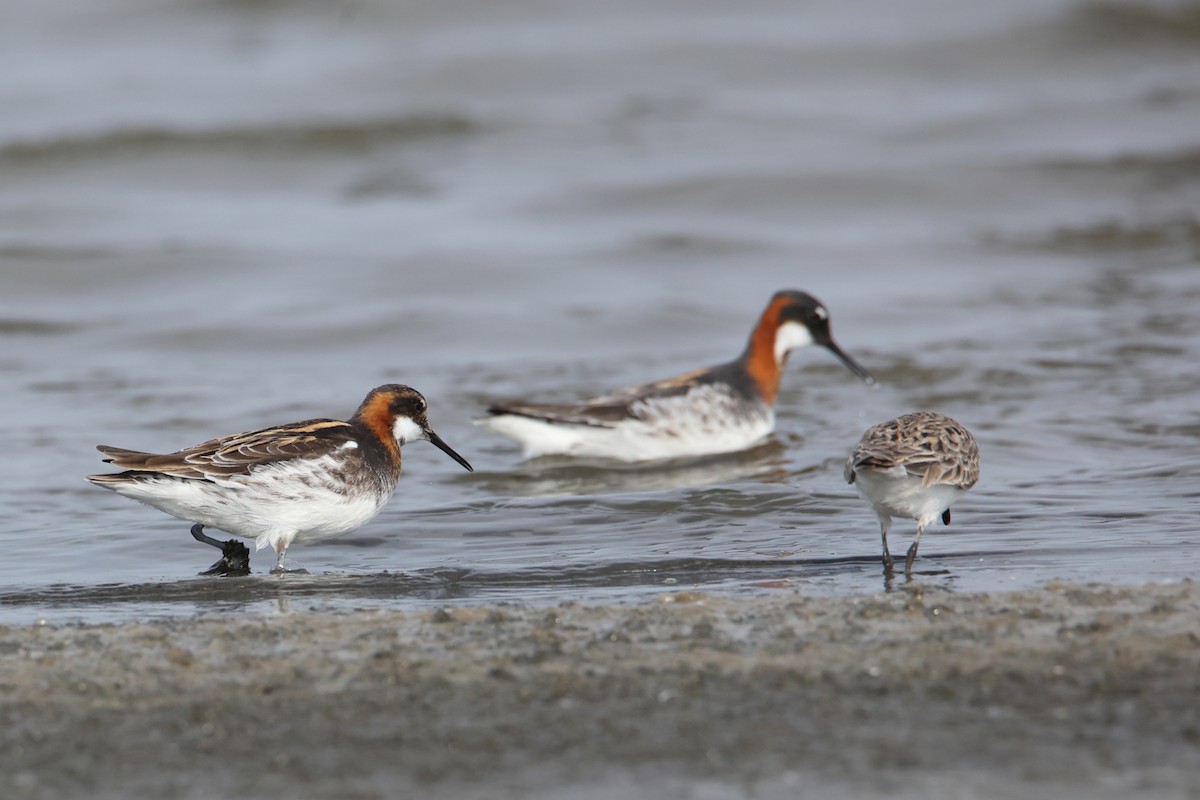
{"x": 914, "y": 466}
{"x": 303, "y": 481}
{"x": 716, "y": 410}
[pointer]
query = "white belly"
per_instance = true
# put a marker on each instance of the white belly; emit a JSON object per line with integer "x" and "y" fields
{"x": 898, "y": 494}
{"x": 658, "y": 436}
{"x": 271, "y": 505}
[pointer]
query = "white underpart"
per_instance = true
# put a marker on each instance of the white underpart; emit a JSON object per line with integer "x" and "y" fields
{"x": 788, "y": 337}
{"x": 895, "y": 493}
{"x": 705, "y": 421}
{"x": 275, "y": 505}
{"x": 405, "y": 430}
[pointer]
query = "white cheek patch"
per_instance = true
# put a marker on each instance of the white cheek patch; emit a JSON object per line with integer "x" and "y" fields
{"x": 405, "y": 430}
{"x": 790, "y": 336}
{"x": 349, "y": 446}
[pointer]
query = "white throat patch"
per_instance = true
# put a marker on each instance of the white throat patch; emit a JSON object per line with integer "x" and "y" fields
{"x": 405, "y": 430}
{"x": 788, "y": 337}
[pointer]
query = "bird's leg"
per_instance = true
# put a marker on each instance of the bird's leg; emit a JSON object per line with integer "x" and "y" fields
{"x": 912, "y": 551}
{"x": 200, "y": 536}
{"x": 235, "y": 556}
{"x": 888, "y": 564}
{"x": 281, "y": 565}
{"x": 279, "y": 569}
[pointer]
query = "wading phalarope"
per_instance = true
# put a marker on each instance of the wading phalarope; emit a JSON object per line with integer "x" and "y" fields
{"x": 914, "y": 466}
{"x": 716, "y": 410}
{"x": 298, "y": 482}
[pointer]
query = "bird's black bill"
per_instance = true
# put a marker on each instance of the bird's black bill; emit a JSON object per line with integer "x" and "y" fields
{"x": 850, "y": 363}
{"x": 437, "y": 442}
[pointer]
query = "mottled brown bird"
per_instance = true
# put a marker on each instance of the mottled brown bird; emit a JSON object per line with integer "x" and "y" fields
{"x": 914, "y": 466}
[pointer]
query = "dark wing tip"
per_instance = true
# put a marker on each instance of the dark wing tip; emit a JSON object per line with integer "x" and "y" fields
{"x": 520, "y": 411}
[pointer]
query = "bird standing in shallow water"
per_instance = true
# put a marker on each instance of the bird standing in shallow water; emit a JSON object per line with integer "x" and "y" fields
{"x": 304, "y": 481}
{"x": 721, "y": 409}
{"x": 914, "y": 466}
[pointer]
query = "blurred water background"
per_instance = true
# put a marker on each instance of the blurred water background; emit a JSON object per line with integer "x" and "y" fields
{"x": 222, "y": 214}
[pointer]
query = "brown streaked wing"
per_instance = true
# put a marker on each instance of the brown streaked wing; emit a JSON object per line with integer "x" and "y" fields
{"x": 240, "y": 453}
{"x": 927, "y": 445}
{"x": 577, "y": 414}
{"x": 607, "y": 410}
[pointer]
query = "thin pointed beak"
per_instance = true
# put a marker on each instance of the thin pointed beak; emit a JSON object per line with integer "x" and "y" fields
{"x": 850, "y": 363}
{"x": 437, "y": 442}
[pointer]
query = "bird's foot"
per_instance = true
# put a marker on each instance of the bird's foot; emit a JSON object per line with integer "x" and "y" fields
{"x": 235, "y": 560}
{"x": 235, "y": 556}
{"x": 285, "y": 567}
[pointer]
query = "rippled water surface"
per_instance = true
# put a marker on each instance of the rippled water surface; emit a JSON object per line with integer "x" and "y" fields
{"x": 216, "y": 216}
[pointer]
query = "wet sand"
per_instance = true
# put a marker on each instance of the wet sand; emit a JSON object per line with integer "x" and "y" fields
{"x": 1070, "y": 691}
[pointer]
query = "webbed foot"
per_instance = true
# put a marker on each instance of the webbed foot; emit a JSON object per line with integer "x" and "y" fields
{"x": 235, "y": 556}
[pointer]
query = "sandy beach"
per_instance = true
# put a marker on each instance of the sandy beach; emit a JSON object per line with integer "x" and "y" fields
{"x": 1070, "y": 691}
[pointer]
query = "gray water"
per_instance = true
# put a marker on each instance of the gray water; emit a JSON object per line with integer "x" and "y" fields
{"x": 216, "y": 216}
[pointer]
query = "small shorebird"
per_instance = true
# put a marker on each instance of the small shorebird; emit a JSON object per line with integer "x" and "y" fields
{"x": 914, "y": 466}
{"x": 720, "y": 409}
{"x": 303, "y": 481}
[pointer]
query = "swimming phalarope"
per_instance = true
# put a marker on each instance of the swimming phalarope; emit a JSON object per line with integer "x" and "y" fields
{"x": 298, "y": 482}
{"x": 914, "y": 466}
{"x": 716, "y": 410}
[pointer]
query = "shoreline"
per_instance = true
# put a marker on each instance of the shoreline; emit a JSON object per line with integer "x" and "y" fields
{"x": 1088, "y": 690}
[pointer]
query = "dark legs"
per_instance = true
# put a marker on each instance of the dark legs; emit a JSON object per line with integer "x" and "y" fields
{"x": 912, "y": 551}
{"x": 889, "y": 566}
{"x": 235, "y": 556}
{"x": 909, "y": 559}
{"x": 884, "y": 524}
